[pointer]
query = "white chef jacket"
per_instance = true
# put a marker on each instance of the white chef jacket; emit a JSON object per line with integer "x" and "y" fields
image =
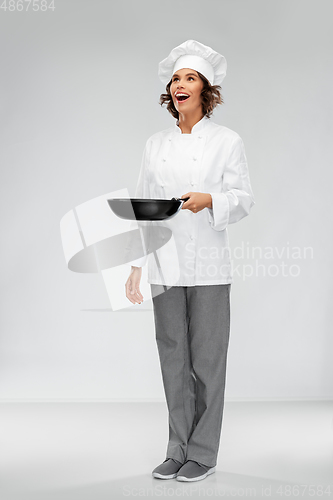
{"x": 211, "y": 159}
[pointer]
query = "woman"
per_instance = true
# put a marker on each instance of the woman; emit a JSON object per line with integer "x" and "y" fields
{"x": 207, "y": 163}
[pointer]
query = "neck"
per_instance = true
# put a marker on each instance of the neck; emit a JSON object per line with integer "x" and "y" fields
{"x": 186, "y": 122}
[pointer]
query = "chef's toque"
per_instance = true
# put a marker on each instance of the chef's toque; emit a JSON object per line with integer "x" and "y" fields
{"x": 194, "y": 55}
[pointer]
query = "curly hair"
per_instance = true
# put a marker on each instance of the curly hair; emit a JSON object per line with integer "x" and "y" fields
{"x": 210, "y": 96}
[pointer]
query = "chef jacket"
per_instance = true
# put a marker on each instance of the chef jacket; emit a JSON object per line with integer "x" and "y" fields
{"x": 211, "y": 159}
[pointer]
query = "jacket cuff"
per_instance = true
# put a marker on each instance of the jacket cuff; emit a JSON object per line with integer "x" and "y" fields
{"x": 219, "y": 213}
{"x": 139, "y": 262}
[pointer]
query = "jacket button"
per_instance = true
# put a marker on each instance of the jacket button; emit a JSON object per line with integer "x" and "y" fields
{"x": 191, "y": 237}
{"x": 192, "y": 183}
{"x": 170, "y": 140}
{"x": 164, "y": 159}
{"x": 200, "y": 136}
{"x": 194, "y": 159}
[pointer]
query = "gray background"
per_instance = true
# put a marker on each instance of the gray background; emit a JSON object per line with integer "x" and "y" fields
{"x": 79, "y": 98}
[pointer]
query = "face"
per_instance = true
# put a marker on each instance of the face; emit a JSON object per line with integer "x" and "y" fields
{"x": 186, "y": 81}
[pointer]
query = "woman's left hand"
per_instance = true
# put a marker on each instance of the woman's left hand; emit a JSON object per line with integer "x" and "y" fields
{"x": 197, "y": 201}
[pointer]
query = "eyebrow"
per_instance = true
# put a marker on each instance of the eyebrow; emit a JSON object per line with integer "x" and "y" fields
{"x": 188, "y": 74}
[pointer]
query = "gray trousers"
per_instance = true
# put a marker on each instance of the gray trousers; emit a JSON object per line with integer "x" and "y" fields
{"x": 192, "y": 326}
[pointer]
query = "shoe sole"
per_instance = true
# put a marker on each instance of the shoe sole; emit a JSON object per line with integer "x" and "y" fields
{"x": 162, "y": 476}
{"x": 198, "y": 478}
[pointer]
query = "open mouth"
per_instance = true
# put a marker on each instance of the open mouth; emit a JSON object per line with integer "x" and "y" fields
{"x": 182, "y": 97}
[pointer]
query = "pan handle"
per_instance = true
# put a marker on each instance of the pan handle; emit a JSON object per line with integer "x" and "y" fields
{"x": 181, "y": 199}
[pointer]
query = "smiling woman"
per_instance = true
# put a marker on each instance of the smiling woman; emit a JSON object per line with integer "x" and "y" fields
{"x": 206, "y": 163}
{"x": 210, "y": 95}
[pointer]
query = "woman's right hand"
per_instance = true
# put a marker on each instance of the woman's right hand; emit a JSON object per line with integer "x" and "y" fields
{"x": 133, "y": 286}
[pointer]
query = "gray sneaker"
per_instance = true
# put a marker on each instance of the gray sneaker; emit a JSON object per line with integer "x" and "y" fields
{"x": 193, "y": 471}
{"x": 168, "y": 469}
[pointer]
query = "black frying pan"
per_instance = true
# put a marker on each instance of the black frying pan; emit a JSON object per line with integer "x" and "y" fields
{"x": 145, "y": 209}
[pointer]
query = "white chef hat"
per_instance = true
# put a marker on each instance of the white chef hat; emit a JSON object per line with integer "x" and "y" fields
{"x": 194, "y": 55}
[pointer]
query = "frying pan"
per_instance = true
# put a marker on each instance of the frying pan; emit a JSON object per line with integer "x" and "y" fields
{"x": 147, "y": 209}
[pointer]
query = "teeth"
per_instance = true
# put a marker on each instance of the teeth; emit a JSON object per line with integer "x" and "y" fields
{"x": 178, "y": 95}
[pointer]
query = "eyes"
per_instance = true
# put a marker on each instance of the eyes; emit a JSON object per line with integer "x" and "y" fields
{"x": 176, "y": 78}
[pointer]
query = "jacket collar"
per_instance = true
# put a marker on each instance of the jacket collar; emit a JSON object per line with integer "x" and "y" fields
{"x": 196, "y": 129}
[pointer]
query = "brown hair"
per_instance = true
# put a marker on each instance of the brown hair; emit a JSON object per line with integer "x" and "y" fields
{"x": 210, "y": 96}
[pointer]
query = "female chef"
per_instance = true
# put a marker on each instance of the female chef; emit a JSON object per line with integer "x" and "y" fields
{"x": 207, "y": 163}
